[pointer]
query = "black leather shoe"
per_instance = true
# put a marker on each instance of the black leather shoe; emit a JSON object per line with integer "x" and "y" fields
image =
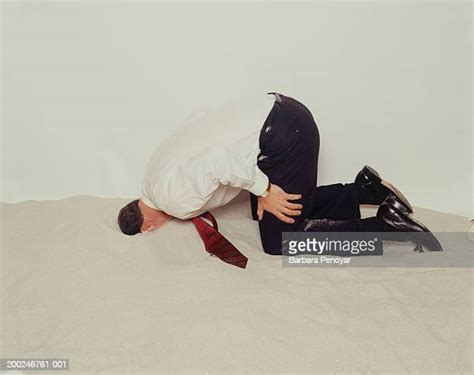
{"x": 396, "y": 218}
{"x": 369, "y": 179}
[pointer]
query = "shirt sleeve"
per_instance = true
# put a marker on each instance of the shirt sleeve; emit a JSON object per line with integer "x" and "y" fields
{"x": 187, "y": 188}
{"x": 237, "y": 171}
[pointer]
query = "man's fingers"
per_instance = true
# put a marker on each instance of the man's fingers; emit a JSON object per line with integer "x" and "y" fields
{"x": 260, "y": 212}
{"x": 289, "y": 212}
{"x": 293, "y": 197}
{"x": 293, "y": 206}
{"x": 285, "y": 219}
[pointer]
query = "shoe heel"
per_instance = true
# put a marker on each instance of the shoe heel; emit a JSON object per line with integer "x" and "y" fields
{"x": 367, "y": 177}
{"x": 427, "y": 238}
{"x": 398, "y": 194}
{"x": 418, "y": 248}
{"x": 372, "y": 172}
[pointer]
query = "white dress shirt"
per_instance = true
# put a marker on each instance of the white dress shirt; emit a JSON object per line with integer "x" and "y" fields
{"x": 208, "y": 160}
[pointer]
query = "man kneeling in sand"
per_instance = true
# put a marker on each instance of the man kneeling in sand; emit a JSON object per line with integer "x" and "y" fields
{"x": 206, "y": 166}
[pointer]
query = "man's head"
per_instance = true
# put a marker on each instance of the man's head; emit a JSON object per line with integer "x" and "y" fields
{"x": 130, "y": 218}
{"x": 137, "y": 217}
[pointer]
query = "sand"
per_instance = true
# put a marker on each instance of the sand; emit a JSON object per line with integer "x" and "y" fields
{"x": 73, "y": 287}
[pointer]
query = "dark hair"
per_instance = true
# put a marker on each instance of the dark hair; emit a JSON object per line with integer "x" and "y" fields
{"x": 130, "y": 218}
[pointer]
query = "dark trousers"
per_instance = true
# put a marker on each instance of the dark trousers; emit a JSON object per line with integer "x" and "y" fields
{"x": 289, "y": 150}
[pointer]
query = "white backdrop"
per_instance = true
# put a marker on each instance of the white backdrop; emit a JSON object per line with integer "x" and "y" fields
{"x": 89, "y": 90}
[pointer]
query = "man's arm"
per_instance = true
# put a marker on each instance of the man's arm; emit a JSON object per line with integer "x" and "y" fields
{"x": 240, "y": 172}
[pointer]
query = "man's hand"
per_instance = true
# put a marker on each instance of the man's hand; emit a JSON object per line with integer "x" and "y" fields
{"x": 277, "y": 202}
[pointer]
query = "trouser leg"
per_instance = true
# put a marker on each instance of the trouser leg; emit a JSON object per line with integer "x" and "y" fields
{"x": 337, "y": 201}
{"x": 372, "y": 224}
{"x": 341, "y": 201}
{"x": 289, "y": 144}
{"x": 336, "y": 209}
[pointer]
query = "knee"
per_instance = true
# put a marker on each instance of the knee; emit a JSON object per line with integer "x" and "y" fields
{"x": 270, "y": 246}
{"x": 270, "y": 235}
{"x": 272, "y": 251}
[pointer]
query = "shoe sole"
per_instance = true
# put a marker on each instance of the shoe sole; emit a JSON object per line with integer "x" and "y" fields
{"x": 432, "y": 245}
{"x": 426, "y": 230}
{"x": 393, "y": 189}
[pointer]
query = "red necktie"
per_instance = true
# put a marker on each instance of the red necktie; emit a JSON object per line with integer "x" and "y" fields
{"x": 216, "y": 244}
